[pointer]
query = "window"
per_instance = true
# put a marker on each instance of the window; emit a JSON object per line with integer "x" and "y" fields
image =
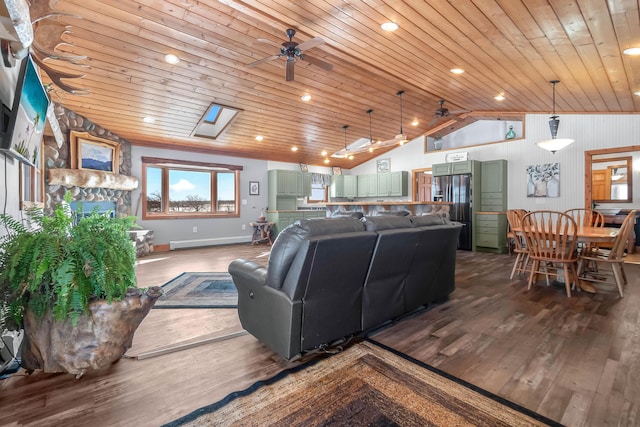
{"x": 182, "y": 189}
{"x": 318, "y": 193}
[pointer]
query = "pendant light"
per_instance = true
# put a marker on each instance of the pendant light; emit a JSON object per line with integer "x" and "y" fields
{"x": 554, "y": 144}
{"x": 400, "y": 138}
{"x": 370, "y": 133}
{"x": 343, "y": 153}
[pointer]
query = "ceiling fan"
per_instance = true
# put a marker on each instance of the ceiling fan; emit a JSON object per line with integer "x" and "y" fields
{"x": 400, "y": 138}
{"x": 293, "y": 52}
{"x": 442, "y": 111}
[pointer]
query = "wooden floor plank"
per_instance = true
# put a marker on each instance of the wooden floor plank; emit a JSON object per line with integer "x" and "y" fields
{"x": 574, "y": 359}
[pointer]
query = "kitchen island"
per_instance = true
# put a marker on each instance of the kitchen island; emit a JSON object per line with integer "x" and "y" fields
{"x": 382, "y": 207}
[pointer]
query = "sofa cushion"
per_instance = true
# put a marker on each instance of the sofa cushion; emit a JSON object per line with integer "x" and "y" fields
{"x": 386, "y": 222}
{"x": 290, "y": 240}
{"x": 347, "y": 214}
{"x": 325, "y": 226}
{"x": 424, "y": 220}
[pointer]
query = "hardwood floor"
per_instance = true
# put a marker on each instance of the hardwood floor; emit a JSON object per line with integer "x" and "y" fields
{"x": 574, "y": 360}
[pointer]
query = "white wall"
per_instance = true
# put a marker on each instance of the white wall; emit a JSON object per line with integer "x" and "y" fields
{"x": 591, "y": 132}
{"x": 210, "y": 230}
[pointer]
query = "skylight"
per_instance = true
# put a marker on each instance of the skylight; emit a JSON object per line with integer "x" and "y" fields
{"x": 214, "y": 121}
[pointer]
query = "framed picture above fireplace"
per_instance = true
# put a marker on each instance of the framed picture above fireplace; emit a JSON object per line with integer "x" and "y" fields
{"x": 91, "y": 152}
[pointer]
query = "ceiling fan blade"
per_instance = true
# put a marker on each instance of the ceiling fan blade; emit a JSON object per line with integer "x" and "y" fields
{"x": 289, "y": 69}
{"x": 317, "y": 41}
{"x": 317, "y": 62}
{"x": 271, "y": 42}
{"x": 260, "y": 61}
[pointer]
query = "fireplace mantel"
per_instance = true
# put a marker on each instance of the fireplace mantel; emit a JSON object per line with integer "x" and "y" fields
{"x": 87, "y": 178}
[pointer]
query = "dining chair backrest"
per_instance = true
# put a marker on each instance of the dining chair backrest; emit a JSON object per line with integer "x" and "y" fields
{"x": 550, "y": 235}
{"x": 586, "y": 217}
{"x": 620, "y": 242}
{"x": 514, "y": 219}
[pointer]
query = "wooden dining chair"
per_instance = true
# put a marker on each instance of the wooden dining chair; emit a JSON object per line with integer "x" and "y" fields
{"x": 551, "y": 238}
{"x": 589, "y": 218}
{"x": 514, "y": 219}
{"x": 609, "y": 264}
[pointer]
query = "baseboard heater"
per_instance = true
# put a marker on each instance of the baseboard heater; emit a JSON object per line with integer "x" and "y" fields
{"x": 195, "y": 243}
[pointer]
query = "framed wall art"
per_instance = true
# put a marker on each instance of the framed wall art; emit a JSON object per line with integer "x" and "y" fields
{"x": 383, "y": 165}
{"x": 254, "y": 188}
{"x": 91, "y": 152}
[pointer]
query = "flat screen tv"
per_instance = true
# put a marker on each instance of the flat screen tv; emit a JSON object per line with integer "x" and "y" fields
{"x": 22, "y": 135}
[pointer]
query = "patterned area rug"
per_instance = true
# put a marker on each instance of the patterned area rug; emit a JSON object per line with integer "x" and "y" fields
{"x": 199, "y": 290}
{"x": 367, "y": 384}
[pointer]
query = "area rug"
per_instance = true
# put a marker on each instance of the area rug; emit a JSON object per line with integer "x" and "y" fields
{"x": 367, "y": 384}
{"x": 199, "y": 290}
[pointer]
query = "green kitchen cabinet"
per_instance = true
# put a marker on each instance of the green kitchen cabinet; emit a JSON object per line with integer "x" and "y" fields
{"x": 343, "y": 186}
{"x": 393, "y": 184}
{"x": 491, "y": 222}
{"x": 368, "y": 185}
{"x": 452, "y": 168}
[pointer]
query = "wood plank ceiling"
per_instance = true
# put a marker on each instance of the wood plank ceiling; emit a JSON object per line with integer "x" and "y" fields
{"x": 508, "y": 47}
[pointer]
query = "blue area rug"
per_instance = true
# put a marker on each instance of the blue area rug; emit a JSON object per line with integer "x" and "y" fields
{"x": 199, "y": 290}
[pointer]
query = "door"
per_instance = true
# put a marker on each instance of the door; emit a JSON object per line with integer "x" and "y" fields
{"x": 423, "y": 187}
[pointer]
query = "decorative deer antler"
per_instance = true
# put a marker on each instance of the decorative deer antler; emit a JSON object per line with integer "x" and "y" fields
{"x": 47, "y": 38}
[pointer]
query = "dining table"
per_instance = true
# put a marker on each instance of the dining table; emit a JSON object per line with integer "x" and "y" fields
{"x": 589, "y": 234}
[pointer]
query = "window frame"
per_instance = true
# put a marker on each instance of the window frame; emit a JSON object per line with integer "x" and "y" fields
{"x": 167, "y": 165}
{"x": 324, "y": 200}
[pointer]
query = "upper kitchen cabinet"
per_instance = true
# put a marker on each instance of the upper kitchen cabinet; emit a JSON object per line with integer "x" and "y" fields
{"x": 395, "y": 184}
{"x": 344, "y": 186}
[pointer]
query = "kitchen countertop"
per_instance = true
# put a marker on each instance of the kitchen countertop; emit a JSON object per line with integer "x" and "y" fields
{"x": 384, "y": 203}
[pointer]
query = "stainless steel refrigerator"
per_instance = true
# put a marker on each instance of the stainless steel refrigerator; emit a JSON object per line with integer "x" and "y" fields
{"x": 456, "y": 189}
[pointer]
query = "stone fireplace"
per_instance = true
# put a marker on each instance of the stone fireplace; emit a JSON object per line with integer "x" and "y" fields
{"x": 86, "y": 185}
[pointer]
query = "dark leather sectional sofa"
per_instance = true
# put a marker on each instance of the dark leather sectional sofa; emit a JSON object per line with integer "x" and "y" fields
{"x": 332, "y": 278}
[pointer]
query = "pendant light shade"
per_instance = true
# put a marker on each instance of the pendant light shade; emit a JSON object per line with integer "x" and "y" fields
{"x": 554, "y": 144}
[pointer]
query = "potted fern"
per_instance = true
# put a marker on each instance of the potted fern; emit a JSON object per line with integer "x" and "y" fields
{"x": 72, "y": 288}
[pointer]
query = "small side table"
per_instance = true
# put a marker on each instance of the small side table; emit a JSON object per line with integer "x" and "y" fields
{"x": 262, "y": 232}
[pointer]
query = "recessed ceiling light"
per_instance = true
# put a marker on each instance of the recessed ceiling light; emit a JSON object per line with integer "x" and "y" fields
{"x": 148, "y": 119}
{"x": 457, "y": 70}
{"x": 415, "y": 123}
{"x": 324, "y": 153}
{"x": 632, "y": 51}
{"x": 499, "y": 97}
{"x": 637, "y": 93}
{"x": 389, "y": 26}
{"x": 294, "y": 148}
{"x": 172, "y": 59}
{"x": 326, "y": 161}
{"x": 351, "y": 157}
{"x": 259, "y": 138}
{"x": 306, "y": 97}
